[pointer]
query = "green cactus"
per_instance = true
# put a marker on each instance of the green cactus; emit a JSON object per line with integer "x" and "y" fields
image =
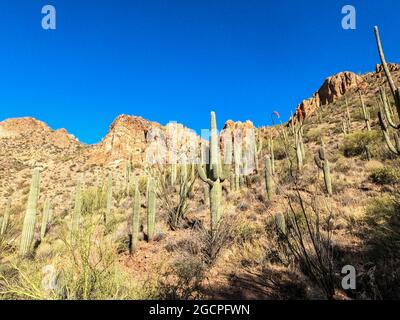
{"x": 280, "y": 224}
{"x": 214, "y": 175}
{"x": 135, "y": 219}
{"x": 108, "y": 211}
{"x": 128, "y": 172}
{"x": 45, "y": 219}
{"x": 269, "y": 182}
{"x": 6, "y": 217}
{"x": 348, "y": 116}
{"x": 151, "y": 208}
{"x": 77, "y": 212}
{"x": 272, "y": 154}
{"x": 322, "y": 163}
{"x": 28, "y": 229}
{"x": 365, "y": 112}
{"x": 258, "y": 145}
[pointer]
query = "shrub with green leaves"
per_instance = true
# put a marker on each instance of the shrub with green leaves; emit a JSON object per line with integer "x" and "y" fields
{"x": 387, "y": 175}
{"x": 354, "y": 144}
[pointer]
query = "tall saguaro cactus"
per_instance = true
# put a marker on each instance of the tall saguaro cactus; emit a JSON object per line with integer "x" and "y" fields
{"x": 6, "y": 217}
{"x": 365, "y": 112}
{"x": 385, "y": 114}
{"x": 45, "y": 219}
{"x": 135, "y": 219}
{"x": 269, "y": 182}
{"x": 28, "y": 229}
{"x": 323, "y": 164}
{"x": 214, "y": 174}
{"x": 151, "y": 208}
{"x": 272, "y": 153}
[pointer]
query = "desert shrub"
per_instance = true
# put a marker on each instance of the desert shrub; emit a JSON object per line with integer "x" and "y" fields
{"x": 314, "y": 135}
{"x": 354, "y": 144}
{"x": 247, "y": 232}
{"x": 93, "y": 200}
{"x": 183, "y": 279}
{"x": 279, "y": 149}
{"x": 383, "y": 237}
{"x": 386, "y": 175}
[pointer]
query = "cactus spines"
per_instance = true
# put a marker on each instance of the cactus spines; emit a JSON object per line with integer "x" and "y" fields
{"x": 45, "y": 219}
{"x": 77, "y": 212}
{"x": 269, "y": 182}
{"x": 6, "y": 217}
{"x": 108, "y": 211}
{"x": 280, "y": 224}
{"x": 322, "y": 163}
{"x": 214, "y": 174}
{"x": 365, "y": 112}
{"x": 28, "y": 230}
{"x": 135, "y": 219}
{"x": 151, "y": 208}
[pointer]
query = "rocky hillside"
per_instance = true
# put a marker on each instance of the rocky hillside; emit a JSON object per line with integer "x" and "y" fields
{"x": 345, "y": 189}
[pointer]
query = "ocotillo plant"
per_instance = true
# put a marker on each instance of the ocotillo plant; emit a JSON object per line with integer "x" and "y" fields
{"x": 269, "y": 182}
{"x": 214, "y": 174}
{"x": 45, "y": 219}
{"x": 135, "y": 219}
{"x": 322, "y": 163}
{"x": 396, "y": 94}
{"x": 299, "y": 149}
{"x": 6, "y": 217}
{"x": 151, "y": 208}
{"x": 365, "y": 112}
{"x": 108, "y": 211}
{"x": 77, "y": 212}
{"x": 173, "y": 174}
{"x": 28, "y": 229}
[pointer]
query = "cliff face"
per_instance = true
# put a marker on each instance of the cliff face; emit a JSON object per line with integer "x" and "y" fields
{"x": 336, "y": 86}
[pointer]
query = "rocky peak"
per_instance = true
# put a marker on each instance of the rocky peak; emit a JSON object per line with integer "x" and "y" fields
{"x": 333, "y": 88}
{"x": 22, "y": 126}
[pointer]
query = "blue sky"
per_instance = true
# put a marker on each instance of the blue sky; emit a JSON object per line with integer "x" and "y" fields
{"x": 176, "y": 60}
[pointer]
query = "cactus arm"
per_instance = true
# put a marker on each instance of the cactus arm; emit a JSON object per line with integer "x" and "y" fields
{"x": 203, "y": 175}
{"x": 385, "y": 132}
{"x": 386, "y": 109}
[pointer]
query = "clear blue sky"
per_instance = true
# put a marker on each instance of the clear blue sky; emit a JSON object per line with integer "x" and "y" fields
{"x": 176, "y": 60}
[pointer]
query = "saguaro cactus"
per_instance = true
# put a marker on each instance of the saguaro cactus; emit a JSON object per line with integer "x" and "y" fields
{"x": 28, "y": 229}
{"x": 128, "y": 172}
{"x": 6, "y": 217}
{"x": 151, "y": 208}
{"x": 214, "y": 174}
{"x": 323, "y": 164}
{"x": 385, "y": 112}
{"x": 269, "y": 182}
{"x": 45, "y": 219}
{"x": 272, "y": 154}
{"x": 280, "y": 224}
{"x": 135, "y": 219}
{"x": 365, "y": 112}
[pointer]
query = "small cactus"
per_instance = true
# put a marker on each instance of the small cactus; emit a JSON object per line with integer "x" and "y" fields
{"x": 280, "y": 224}
{"x": 269, "y": 182}
{"x": 6, "y": 217}
{"x": 45, "y": 219}
{"x": 151, "y": 208}
{"x": 28, "y": 230}
{"x": 323, "y": 164}
{"x": 135, "y": 219}
{"x": 365, "y": 113}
